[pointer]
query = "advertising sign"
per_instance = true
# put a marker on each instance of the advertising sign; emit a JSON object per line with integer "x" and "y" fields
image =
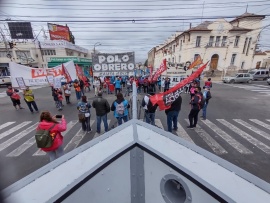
{"x": 118, "y": 64}
{"x": 21, "y": 83}
{"x": 57, "y": 83}
{"x": 20, "y": 30}
{"x": 59, "y": 32}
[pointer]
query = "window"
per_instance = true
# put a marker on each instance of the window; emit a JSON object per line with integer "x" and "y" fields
{"x": 244, "y": 49}
{"x": 85, "y": 55}
{"x": 23, "y": 54}
{"x": 240, "y": 76}
{"x": 173, "y": 48}
{"x": 262, "y": 72}
{"x": 211, "y": 41}
{"x": 242, "y": 64}
{"x": 179, "y": 59}
{"x": 217, "y": 41}
{"x": 258, "y": 73}
{"x": 236, "y": 42}
{"x": 198, "y": 41}
{"x": 172, "y": 59}
{"x": 246, "y": 75}
{"x": 181, "y": 44}
{"x": 48, "y": 52}
{"x": 233, "y": 59}
{"x": 249, "y": 41}
{"x": 224, "y": 40}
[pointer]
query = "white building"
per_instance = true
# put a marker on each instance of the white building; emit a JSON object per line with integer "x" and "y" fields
{"x": 226, "y": 45}
{"x": 43, "y": 54}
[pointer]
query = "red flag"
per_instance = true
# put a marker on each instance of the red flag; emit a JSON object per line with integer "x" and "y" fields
{"x": 66, "y": 74}
{"x": 161, "y": 69}
{"x": 196, "y": 62}
{"x": 165, "y": 99}
{"x": 79, "y": 72}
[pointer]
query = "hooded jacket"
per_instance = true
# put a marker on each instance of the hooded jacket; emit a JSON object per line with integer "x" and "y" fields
{"x": 101, "y": 105}
{"x": 126, "y": 105}
{"x": 57, "y": 129}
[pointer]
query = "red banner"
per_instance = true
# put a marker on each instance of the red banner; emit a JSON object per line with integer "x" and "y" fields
{"x": 165, "y": 99}
{"x": 79, "y": 72}
{"x": 161, "y": 69}
{"x": 66, "y": 74}
{"x": 196, "y": 62}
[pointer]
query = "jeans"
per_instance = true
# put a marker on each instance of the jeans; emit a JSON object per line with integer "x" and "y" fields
{"x": 30, "y": 104}
{"x": 56, "y": 153}
{"x": 145, "y": 89}
{"x": 78, "y": 95}
{"x": 82, "y": 90}
{"x": 204, "y": 110}
{"x": 59, "y": 104}
{"x": 139, "y": 90}
{"x": 67, "y": 99}
{"x": 86, "y": 124}
{"x": 172, "y": 118}
{"x": 150, "y": 118}
{"x": 119, "y": 119}
{"x": 193, "y": 117}
{"x": 127, "y": 91}
{"x": 104, "y": 119}
{"x": 117, "y": 90}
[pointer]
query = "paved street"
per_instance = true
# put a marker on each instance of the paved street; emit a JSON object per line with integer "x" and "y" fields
{"x": 237, "y": 129}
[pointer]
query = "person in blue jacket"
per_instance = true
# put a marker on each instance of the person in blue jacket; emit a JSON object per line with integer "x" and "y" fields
{"x": 120, "y": 107}
{"x": 117, "y": 85}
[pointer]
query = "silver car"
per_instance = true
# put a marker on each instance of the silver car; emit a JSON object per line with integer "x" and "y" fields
{"x": 239, "y": 78}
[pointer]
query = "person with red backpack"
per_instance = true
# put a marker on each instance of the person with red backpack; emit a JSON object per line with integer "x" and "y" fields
{"x": 120, "y": 107}
{"x": 197, "y": 103}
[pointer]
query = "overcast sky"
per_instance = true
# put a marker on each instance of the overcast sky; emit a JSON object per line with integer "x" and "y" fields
{"x": 154, "y": 20}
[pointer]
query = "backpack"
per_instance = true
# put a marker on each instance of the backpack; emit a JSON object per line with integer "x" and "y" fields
{"x": 44, "y": 138}
{"x": 120, "y": 109}
{"x": 83, "y": 107}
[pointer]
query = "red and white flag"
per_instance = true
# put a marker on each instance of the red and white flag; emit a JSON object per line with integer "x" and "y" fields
{"x": 66, "y": 74}
{"x": 161, "y": 69}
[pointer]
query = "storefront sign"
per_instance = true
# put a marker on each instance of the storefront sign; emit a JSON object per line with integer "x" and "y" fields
{"x": 113, "y": 64}
{"x": 66, "y": 59}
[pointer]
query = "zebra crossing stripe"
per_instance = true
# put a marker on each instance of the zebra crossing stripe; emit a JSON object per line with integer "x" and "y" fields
{"x": 102, "y": 129}
{"x": 22, "y": 148}
{"x": 69, "y": 126}
{"x": 159, "y": 124}
{"x": 239, "y": 147}
{"x": 246, "y": 136}
{"x": 265, "y": 125}
{"x": 75, "y": 141}
{"x": 209, "y": 140}
{"x": 252, "y": 128}
{"x": 15, "y": 138}
{"x": 12, "y": 130}
{"x": 6, "y": 125}
{"x": 183, "y": 134}
{"x": 262, "y": 90}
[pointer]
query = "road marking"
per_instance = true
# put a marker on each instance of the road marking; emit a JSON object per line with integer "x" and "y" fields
{"x": 70, "y": 125}
{"x": 12, "y": 130}
{"x": 15, "y": 138}
{"x": 209, "y": 140}
{"x": 22, "y": 148}
{"x": 183, "y": 134}
{"x": 75, "y": 141}
{"x": 159, "y": 124}
{"x": 246, "y": 136}
{"x": 102, "y": 129}
{"x": 6, "y": 125}
{"x": 261, "y": 90}
{"x": 239, "y": 147}
{"x": 265, "y": 125}
{"x": 252, "y": 128}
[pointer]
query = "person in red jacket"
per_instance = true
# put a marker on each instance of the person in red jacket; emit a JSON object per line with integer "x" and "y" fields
{"x": 46, "y": 122}
{"x": 208, "y": 83}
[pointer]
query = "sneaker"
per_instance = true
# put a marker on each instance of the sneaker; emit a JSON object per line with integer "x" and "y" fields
{"x": 175, "y": 129}
{"x": 21, "y": 108}
{"x": 89, "y": 131}
{"x": 190, "y": 127}
{"x": 203, "y": 118}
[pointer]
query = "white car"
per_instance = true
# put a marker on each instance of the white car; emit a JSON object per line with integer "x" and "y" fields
{"x": 239, "y": 78}
{"x": 268, "y": 81}
{"x": 5, "y": 80}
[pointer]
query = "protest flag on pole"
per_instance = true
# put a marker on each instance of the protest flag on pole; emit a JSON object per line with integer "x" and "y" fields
{"x": 66, "y": 74}
{"x": 161, "y": 69}
{"x": 196, "y": 62}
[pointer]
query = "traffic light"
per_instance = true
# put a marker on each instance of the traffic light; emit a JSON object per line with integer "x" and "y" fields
{"x": 11, "y": 45}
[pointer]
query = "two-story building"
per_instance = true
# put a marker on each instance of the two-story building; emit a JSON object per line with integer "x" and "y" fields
{"x": 44, "y": 54}
{"x": 226, "y": 45}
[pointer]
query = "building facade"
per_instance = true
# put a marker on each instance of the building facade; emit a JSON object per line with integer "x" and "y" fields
{"x": 226, "y": 45}
{"x": 44, "y": 54}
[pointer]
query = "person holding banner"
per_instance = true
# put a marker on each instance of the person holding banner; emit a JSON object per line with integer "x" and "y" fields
{"x": 172, "y": 114}
{"x": 30, "y": 99}
{"x": 15, "y": 97}
{"x": 67, "y": 92}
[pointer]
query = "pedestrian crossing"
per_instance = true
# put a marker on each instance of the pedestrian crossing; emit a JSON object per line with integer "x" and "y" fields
{"x": 221, "y": 136}
{"x": 261, "y": 89}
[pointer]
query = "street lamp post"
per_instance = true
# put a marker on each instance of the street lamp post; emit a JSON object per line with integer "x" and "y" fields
{"x": 95, "y": 45}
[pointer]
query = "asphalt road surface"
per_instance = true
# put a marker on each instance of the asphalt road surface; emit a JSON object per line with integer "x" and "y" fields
{"x": 237, "y": 129}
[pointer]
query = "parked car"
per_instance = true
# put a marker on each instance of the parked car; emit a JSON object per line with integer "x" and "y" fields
{"x": 239, "y": 78}
{"x": 5, "y": 80}
{"x": 259, "y": 74}
{"x": 268, "y": 81}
